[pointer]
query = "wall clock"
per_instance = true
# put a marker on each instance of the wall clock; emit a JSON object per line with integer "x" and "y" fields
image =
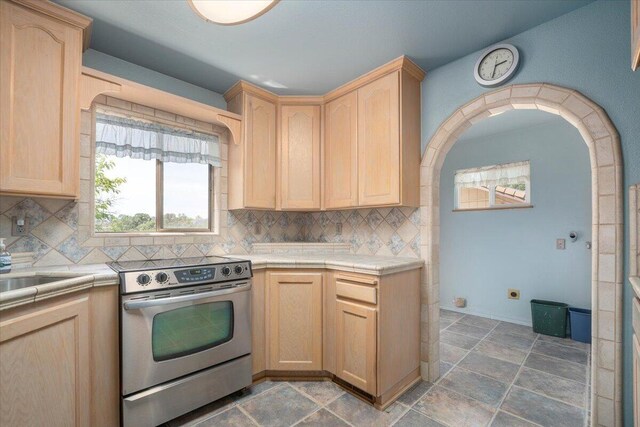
{"x": 496, "y": 65}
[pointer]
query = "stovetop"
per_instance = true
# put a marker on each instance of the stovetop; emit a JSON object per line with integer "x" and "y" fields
{"x": 165, "y": 264}
{"x": 164, "y": 274}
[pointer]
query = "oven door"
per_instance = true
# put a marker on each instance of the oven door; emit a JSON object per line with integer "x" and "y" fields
{"x": 166, "y": 335}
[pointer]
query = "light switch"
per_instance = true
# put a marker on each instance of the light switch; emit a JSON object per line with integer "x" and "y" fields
{"x": 560, "y": 244}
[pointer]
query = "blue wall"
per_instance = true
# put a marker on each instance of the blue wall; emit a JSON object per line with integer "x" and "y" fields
{"x": 484, "y": 253}
{"x": 587, "y": 50}
{"x": 112, "y": 65}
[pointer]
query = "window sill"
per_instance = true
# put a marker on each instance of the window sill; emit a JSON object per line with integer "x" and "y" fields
{"x": 158, "y": 234}
{"x": 494, "y": 208}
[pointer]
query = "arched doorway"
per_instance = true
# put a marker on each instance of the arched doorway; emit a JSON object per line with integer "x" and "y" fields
{"x": 605, "y": 155}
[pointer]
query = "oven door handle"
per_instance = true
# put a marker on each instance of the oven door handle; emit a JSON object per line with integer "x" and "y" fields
{"x": 138, "y": 304}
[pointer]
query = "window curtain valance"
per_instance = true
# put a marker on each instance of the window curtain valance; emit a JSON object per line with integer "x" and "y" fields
{"x": 127, "y": 137}
{"x": 490, "y": 176}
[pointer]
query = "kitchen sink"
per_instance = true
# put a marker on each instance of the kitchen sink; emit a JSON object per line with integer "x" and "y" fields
{"x": 13, "y": 283}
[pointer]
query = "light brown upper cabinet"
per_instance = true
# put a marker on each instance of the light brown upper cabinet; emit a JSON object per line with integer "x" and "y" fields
{"x": 299, "y": 174}
{"x": 635, "y": 34}
{"x": 341, "y": 152}
{"x": 364, "y": 151}
{"x": 252, "y": 161}
{"x": 294, "y": 313}
{"x": 40, "y": 64}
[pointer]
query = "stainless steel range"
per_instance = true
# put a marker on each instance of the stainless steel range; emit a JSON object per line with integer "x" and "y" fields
{"x": 185, "y": 331}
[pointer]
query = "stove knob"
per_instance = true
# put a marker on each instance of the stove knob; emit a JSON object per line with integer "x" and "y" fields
{"x": 237, "y": 269}
{"x": 162, "y": 277}
{"x": 143, "y": 279}
{"x": 226, "y": 271}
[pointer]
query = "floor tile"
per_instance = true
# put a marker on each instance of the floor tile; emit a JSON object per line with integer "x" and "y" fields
{"x": 561, "y": 368}
{"x": 445, "y": 323}
{"x": 500, "y": 370}
{"x": 444, "y": 368}
{"x": 322, "y": 418}
{"x": 472, "y": 331}
{"x": 322, "y": 392}
{"x": 480, "y": 322}
{"x": 561, "y": 352}
{"x": 416, "y": 419}
{"x": 512, "y": 328}
{"x": 230, "y": 418}
{"x": 451, "y": 408}
{"x": 451, "y": 354}
{"x": 568, "y": 391}
{"x": 476, "y": 386}
{"x": 280, "y": 406}
{"x": 462, "y": 341}
{"x": 451, "y": 315}
{"x": 512, "y": 340}
{"x": 566, "y": 342}
{"x": 499, "y": 351}
{"x": 542, "y": 410}
{"x": 504, "y": 419}
{"x": 359, "y": 413}
{"x": 412, "y": 395}
{"x": 256, "y": 389}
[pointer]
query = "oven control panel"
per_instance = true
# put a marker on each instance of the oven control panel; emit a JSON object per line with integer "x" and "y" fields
{"x": 148, "y": 280}
{"x": 195, "y": 274}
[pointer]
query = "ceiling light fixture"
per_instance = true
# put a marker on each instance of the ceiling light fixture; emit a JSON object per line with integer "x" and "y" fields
{"x": 231, "y": 12}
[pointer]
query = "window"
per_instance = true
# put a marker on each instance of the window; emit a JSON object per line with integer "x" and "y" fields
{"x": 152, "y": 178}
{"x": 497, "y": 186}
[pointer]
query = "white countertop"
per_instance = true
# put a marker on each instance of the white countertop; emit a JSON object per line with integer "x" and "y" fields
{"x": 366, "y": 264}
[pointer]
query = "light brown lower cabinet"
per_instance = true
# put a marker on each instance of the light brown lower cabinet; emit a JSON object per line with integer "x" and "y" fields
{"x": 356, "y": 345}
{"x": 294, "y": 311}
{"x": 364, "y": 329}
{"x": 59, "y": 361}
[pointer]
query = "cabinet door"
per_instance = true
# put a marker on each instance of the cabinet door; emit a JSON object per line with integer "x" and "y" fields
{"x": 341, "y": 152}
{"x": 379, "y": 142}
{"x": 40, "y": 61}
{"x": 300, "y": 157}
{"x": 45, "y": 367}
{"x": 356, "y": 345}
{"x": 260, "y": 153}
{"x": 295, "y": 321}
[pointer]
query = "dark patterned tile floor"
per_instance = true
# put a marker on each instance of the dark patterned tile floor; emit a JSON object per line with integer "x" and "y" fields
{"x": 493, "y": 373}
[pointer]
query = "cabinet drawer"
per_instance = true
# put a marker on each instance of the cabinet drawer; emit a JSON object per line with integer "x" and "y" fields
{"x": 352, "y": 291}
{"x": 636, "y": 315}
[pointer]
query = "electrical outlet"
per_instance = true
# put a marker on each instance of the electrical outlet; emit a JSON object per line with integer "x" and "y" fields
{"x": 560, "y": 244}
{"x": 513, "y": 293}
{"x": 19, "y": 226}
{"x": 339, "y": 228}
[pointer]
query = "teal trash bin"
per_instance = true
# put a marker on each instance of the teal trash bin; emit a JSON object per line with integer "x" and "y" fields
{"x": 549, "y": 317}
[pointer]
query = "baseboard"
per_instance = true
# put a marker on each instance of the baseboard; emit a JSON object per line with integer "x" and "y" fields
{"x": 488, "y": 316}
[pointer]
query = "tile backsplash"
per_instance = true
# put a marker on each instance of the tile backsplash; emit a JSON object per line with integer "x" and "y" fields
{"x": 59, "y": 230}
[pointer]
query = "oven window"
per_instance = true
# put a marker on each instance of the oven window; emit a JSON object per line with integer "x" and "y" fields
{"x": 191, "y": 329}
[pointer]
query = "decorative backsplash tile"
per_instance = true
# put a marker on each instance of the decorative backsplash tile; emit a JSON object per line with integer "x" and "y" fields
{"x": 60, "y": 229}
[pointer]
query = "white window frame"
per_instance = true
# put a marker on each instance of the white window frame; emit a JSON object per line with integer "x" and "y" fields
{"x": 492, "y": 193}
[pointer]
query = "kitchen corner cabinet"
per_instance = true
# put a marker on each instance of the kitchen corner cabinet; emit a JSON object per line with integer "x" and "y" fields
{"x": 252, "y": 161}
{"x": 294, "y": 313}
{"x": 341, "y": 152}
{"x": 357, "y": 146}
{"x": 59, "y": 361}
{"x": 299, "y": 173}
{"x": 40, "y": 63}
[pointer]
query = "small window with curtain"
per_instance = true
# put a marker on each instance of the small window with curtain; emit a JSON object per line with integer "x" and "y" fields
{"x": 493, "y": 187}
{"x": 152, "y": 177}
